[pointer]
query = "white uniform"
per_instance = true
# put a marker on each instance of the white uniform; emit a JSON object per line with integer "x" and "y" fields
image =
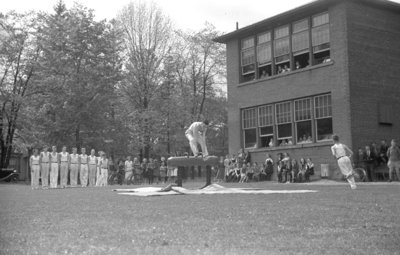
{"x": 344, "y": 162}
{"x": 196, "y": 134}
{"x": 92, "y": 170}
{"x": 64, "y": 158}
{"x": 35, "y": 171}
{"x": 45, "y": 168}
{"x": 74, "y": 167}
{"x": 84, "y": 168}
{"x": 54, "y": 170}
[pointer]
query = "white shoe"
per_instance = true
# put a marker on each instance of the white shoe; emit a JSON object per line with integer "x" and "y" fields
{"x": 353, "y": 187}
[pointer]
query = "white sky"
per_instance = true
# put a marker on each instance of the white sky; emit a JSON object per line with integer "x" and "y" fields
{"x": 186, "y": 14}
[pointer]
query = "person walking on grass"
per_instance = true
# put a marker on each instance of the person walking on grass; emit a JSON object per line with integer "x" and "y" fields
{"x": 342, "y": 153}
{"x": 393, "y": 154}
{"x": 34, "y": 162}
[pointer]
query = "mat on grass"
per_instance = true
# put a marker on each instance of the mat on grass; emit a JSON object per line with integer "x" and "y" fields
{"x": 211, "y": 189}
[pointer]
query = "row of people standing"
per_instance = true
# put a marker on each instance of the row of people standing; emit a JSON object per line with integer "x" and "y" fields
{"x": 91, "y": 170}
{"x": 372, "y": 156}
{"x": 291, "y": 171}
{"x": 150, "y": 169}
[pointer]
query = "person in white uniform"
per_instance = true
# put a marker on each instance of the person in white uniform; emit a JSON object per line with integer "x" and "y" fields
{"x": 74, "y": 167}
{"x": 45, "y": 167}
{"x": 92, "y": 168}
{"x": 54, "y": 167}
{"x": 84, "y": 168}
{"x": 196, "y": 134}
{"x": 342, "y": 153}
{"x": 34, "y": 163}
{"x": 64, "y": 167}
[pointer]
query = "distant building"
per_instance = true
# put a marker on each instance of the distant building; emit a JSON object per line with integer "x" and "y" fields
{"x": 326, "y": 67}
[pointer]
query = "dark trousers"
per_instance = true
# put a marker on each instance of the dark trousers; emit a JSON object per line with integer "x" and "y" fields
{"x": 369, "y": 167}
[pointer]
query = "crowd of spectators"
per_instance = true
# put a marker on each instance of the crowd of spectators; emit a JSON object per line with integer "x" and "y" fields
{"x": 238, "y": 168}
{"x": 372, "y": 156}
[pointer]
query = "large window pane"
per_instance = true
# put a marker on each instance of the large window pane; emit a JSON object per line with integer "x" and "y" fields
{"x": 282, "y": 47}
{"x": 283, "y": 113}
{"x": 281, "y": 32}
{"x": 300, "y": 26}
{"x": 323, "y": 106}
{"x": 264, "y": 53}
{"x": 320, "y": 35}
{"x": 300, "y": 42}
{"x": 320, "y": 19}
{"x": 324, "y": 129}
{"x": 250, "y": 138}
{"x": 266, "y": 115}
{"x": 285, "y": 131}
{"x": 302, "y": 109}
{"x": 249, "y": 118}
{"x": 304, "y": 131}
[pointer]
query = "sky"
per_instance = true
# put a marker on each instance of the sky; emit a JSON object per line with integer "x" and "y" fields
{"x": 185, "y": 14}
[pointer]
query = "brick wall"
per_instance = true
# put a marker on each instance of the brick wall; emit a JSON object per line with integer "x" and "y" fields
{"x": 374, "y": 57}
{"x": 332, "y": 77}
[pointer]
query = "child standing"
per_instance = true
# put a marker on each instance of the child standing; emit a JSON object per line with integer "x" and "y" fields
{"x": 302, "y": 170}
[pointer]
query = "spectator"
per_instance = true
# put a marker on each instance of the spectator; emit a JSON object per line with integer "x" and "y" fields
{"x": 369, "y": 161}
{"x": 128, "y": 170}
{"x": 271, "y": 143}
{"x": 297, "y": 65}
{"x": 163, "y": 171}
{"x": 243, "y": 173}
{"x": 250, "y": 172}
{"x": 256, "y": 172}
{"x": 393, "y": 155}
{"x": 227, "y": 163}
{"x": 150, "y": 170}
{"x": 281, "y": 166}
{"x": 143, "y": 166}
{"x": 302, "y": 170}
{"x": 34, "y": 163}
{"x": 360, "y": 158}
{"x": 137, "y": 171}
{"x": 383, "y": 152}
{"x": 309, "y": 169}
{"x": 294, "y": 171}
{"x": 287, "y": 168}
{"x": 156, "y": 171}
{"x": 268, "y": 167}
{"x": 121, "y": 171}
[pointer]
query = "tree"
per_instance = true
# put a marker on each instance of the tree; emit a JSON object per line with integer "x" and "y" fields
{"x": 80, "y": 67}
{"x": 19, "y": 55}
{"x": 146, "y": 36}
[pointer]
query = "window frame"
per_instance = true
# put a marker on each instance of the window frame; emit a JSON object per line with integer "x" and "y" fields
{"x": 325, "y": 116}
{"x": 243, "y": 50}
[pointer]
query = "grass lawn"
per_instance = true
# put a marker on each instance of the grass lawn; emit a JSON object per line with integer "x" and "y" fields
{"x": 334, "y": 220}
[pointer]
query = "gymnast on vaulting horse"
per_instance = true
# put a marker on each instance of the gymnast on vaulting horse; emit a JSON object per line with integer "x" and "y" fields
{"x": 196, "y": 134}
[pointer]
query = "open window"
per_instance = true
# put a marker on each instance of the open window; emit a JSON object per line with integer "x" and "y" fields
{"x": 303, "y": 119}
{"x": 249, "y": 126}
{"x": 320, "y": 39}
{"x": 266, "y": 125}
{"x": 300, "y": 44}
{"x": 284, "y": 123}
{"x": 323, "y": 117}
{"x": 248, "y": 60}
{"x": 264, "y": 55}
{"x": 282, "y": 50}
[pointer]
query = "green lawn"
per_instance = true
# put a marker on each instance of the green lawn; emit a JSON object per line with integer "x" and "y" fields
{"x": 335, "y": 220}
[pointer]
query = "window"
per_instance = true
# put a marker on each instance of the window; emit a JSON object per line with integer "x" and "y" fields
{"x": 266, "y": 122}
{"x": 248, "y": 59}
{"x": 323, "y": 117}
{"x": 250, "y": 127}
{"x": 282, "y": 49}
{"x": 303, "y": 109}
{"x": 300, "y": 44}
{"x": 264, "y": 55}
{"x": 320, "y": 38}
{"x": 284, "y": 123}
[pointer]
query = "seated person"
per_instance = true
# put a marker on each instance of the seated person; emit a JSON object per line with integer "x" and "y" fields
{"x": 286, "y": 68}
{"x": 290, "y": 142}
{"x": 250, "y": 171}
{"x": 264, "y": 74}
{"x": 309, "y": 169}
{"x": 256, "y": 172}
{"x": 243, "y": 173}
{"x": 302, "y": 170}
{"x": 297, "y": 65}
{"x": 294, "y": 171}
{"x": 271, "y": 143}
{"x": 268, "y": 167}
{"x": 280, "y": 70}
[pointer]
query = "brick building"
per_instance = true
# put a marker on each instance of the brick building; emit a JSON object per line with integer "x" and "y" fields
{"x": 330, "y": 66}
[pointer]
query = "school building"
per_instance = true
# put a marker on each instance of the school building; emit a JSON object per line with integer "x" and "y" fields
{"x": 330, "y": 66}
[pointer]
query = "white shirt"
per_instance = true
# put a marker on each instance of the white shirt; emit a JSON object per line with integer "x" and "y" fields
{"x": 338, "y": 150}
{"x": 196, "y": 128}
